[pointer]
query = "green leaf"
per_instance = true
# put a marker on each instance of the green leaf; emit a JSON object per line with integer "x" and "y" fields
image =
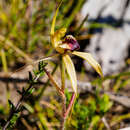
{"x": 41, "y": 66}
{"x": 18, "y": 91}
{"x": 11, "y": 105}
{"x": 104, "y": 103}
{"x": 95, "y": 120}
{"x": 13, "y": 120}
{"x": 31, "y": 91}
{"x": 30, "y": 77}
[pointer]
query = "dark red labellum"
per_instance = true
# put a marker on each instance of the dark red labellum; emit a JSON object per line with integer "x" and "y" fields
{"x": 72, "y": 42}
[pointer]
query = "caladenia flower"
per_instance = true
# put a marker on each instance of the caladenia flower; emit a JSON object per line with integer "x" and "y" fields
{"x": 65, "y": 45}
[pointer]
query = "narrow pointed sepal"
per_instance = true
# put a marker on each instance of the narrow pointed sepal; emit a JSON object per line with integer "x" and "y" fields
{"x": 71, "y": 71}
{"x": 88, "y": 57}
{"x": 54, "y": 19}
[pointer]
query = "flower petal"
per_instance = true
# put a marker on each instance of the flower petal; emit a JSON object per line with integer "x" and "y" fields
{"x": 54, "y": 19}
{"x": 56, "y": 39}
{"x": 71, "y": 71}
{"x": 88, "y": 57}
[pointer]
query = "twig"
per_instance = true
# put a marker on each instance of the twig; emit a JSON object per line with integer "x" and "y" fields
{"x": 26, "y": 124}
{"x": 46, "y": 58}
{"x": 29, "y": 10}
{"x": 105, "y": 123}
{"x": 13, "y": 111}
{"x": 18, "y": 80}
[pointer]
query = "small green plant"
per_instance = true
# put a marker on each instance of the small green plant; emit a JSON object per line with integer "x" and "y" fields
{"x": 88, "y": 115}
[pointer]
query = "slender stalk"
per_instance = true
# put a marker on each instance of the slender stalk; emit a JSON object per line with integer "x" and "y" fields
{"x": 65, "y": 115}
{"x": 70, "y": 105}
{"x": 64, "y": 98}
{"x": 65, "y": 112}
{"x": 62, "y": 75}
{"x": 47, "y": 83}
{"x": 59, "y": 90}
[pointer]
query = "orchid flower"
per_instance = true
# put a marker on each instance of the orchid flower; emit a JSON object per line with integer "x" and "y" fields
{"x": 64, "y": 45}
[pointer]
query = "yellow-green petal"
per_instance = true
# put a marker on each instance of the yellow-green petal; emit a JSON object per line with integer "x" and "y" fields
{"x": 88, "y": 57}
{"x": 56, "y": 38}
{"x": 71, "y": 71}
{"x": 54, "y": 19}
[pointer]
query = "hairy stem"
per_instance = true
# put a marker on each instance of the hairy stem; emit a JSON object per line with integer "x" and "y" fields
{"x": 59, "y": 90}
{"x": 47, "y": 83}
{"x": 63, "y": 98}
{"x": 70, "y": 105}
{"x": 65, "y": 115}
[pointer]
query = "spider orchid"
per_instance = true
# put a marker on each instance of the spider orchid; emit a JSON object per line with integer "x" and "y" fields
{"x": 69, "y": 45}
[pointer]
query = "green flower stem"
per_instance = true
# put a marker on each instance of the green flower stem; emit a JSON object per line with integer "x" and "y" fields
{"x": 62, "y": 75}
